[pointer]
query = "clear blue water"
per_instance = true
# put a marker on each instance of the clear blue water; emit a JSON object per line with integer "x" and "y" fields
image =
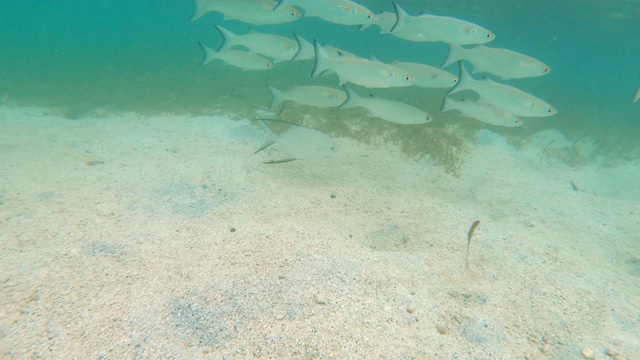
{"x": 143, "y": 56}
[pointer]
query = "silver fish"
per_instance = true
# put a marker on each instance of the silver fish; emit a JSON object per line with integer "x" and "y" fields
{"x": 389, "y": 110}
{"x": 344, "y": 12}
{"x": 504, "y": 96}
{"x": 298, "y": 142}
{"x": 308, "y": 52}
{"x": 237, "y": 58}
{"x": 318, "y": 96}
{"x": 368, "y": 73}
{"x": 486, "y": 113}
{"x": 428, "y": 76}
{"x": 428, "y": 27}
{"x": 503, "y": 63}
{"x": 257, "y": 12}
{"x": 276, "y": 47}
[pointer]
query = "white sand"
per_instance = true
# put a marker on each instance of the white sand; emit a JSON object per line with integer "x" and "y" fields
{"x": 116, "y": 243}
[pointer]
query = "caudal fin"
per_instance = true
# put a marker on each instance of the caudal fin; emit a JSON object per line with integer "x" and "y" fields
{"x": 276, "y": 96}
{"x": 321, "y": 60}
{"x": 465, "y": 80}
{"x": 353, "y": 99}
{"x": 401, "y": 17}
{"x": 228, "y": 38}
{"x": 200, "y": 7}
{"x": 305, "y": 49}
{"x": 447, "y": 104}
{"x": 280, "y": 4}
{"x": 456, "y": 52}
{"x": 209, "y": 54}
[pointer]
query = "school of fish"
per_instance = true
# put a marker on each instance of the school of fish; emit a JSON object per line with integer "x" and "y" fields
{"x": 497, "y": 103}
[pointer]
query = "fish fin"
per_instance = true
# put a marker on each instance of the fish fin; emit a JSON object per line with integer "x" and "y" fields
{"x": 209, "y": 54}
{"x": 352, "y": 98}
{"x": 228, "y": 38}
{"x": 199, "y": 9}
{"x": 271, "y": 136}
{"x": 446, "y": 104}
{"x": 465, "y": 80}
{"x": 265, "y": 145}
{"x": 276, "y": 96}
{"x": 303, "y": 44}
{"x": 280, "y": 4}
{"x": 363, "y": 26}
{"x": 321, "y": 59}
{"x": 263, "y": 113}
{"x": 401, "y": 17}
{"x": 455, "y": 54}
{"x": 281, "y": 161}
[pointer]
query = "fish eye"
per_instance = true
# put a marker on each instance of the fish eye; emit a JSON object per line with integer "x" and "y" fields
{"x": 455, "y": 81}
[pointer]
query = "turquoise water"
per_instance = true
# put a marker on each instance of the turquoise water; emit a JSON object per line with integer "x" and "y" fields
{"x": 143, "y": 56}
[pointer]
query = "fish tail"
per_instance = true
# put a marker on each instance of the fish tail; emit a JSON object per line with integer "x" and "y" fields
{"x": 280, "y": 4}
{"x": 352, "y": 99}
{"x": 209, "y": 54}
{"x": 465, "y": 80}
{"x": 276, "y": 96}
{"x": 455, "y": 54}
{"x": 321, "y": 60}
{"x": 401, "y": 17}
{"x": 199, "y": 9}
{"x": 303, "y": 45}
{"x": 271, "y": 137}
{"x": 228, "y": 38}
{"x": 447, "y": 104}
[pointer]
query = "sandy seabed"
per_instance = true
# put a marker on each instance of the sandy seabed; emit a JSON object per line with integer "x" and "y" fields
{"x": 166, "y": 237}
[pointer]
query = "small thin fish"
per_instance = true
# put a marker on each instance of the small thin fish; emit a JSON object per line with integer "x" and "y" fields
{"x": 237, "y": 58}
{"x": 486, "y": 113}
{"x": 276, "y": 47}
{"x": 257, "y": 12}
{"x": 428, "y": 76}
{"x": 428, "y": 27}
{"x": 307, "y": 51}
{"x": 298, "y": 142}
{"x": 344, "y": 12}
{"x": 389, "y": 110}
{"x": 503, "y": 63}
{"x": 503, "y": 96}
{"x": 368, "y": 73}
{"x": 472, "y": 229}
{"x": 318, "y": 96}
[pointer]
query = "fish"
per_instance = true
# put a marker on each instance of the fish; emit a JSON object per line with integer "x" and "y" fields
{"x": 298, "y": 142}
{"x": 486, "y": 113}
{"x": 506, "y": 97}
{"x": 237, "y": 58}
{"x": 427, "y": 27}
{"x": 307, "y": 51}
{"x": 389, "y": 110}
{"x": 472, "y": 229}
{"x": 504, "y": 63}
{"x": 356, "y": 70}
{"x": 318, "y": 96}
{"x": 636, "y": 96}
{"x": 257, "y": 12}
{"x": 428, "y": 76}
{"x": 276, "y": 47}
{"x": 343, "y": 12}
